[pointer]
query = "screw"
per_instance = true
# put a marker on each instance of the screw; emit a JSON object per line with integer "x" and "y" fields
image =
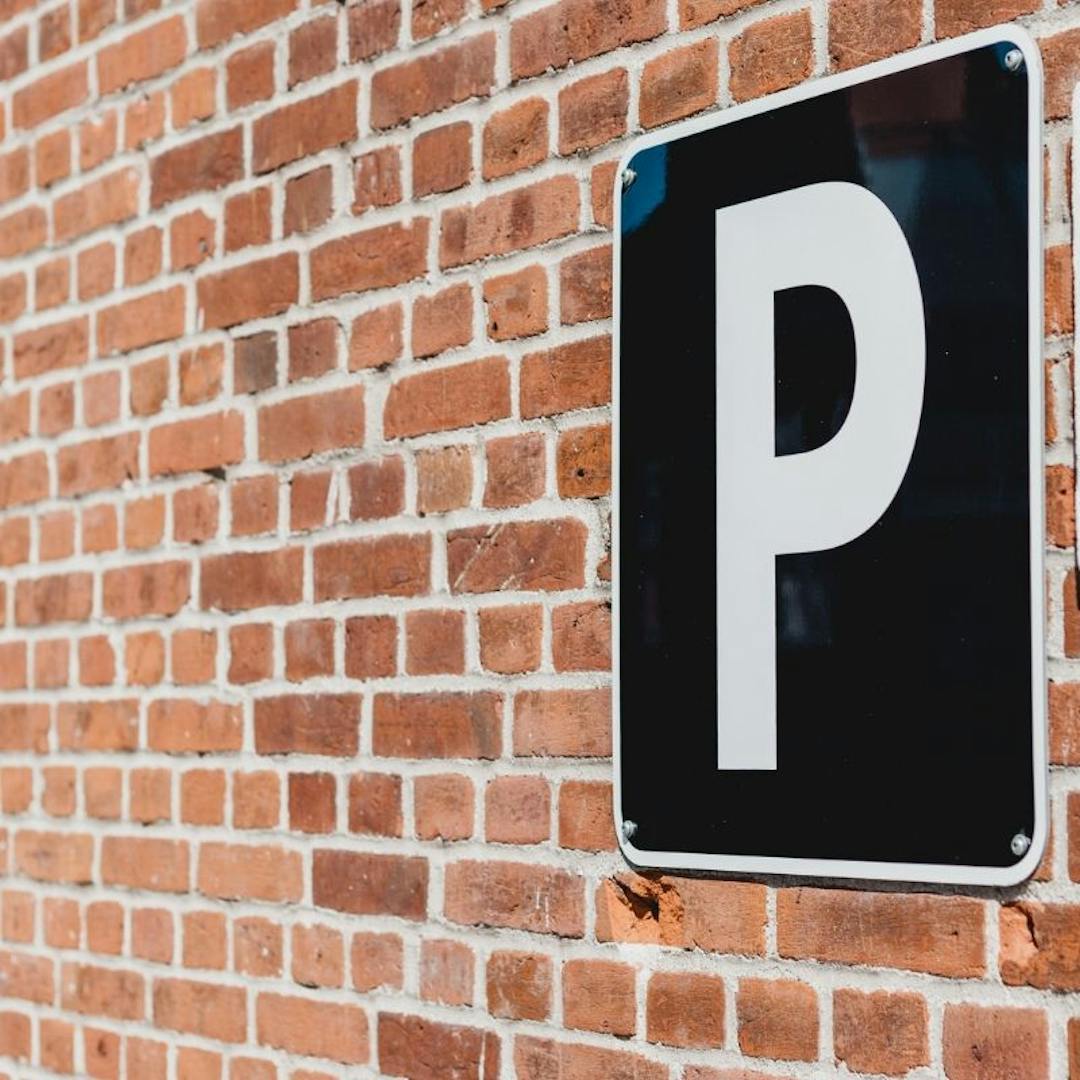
{"x": 628, "y": 177}
{"x": 628, "y": 829}
{"x": 1020, "y": 843}
{"x": 1014, "y": 61}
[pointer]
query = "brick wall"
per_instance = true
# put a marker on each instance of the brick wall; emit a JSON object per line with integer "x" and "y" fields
{"x": 304, "y": 624}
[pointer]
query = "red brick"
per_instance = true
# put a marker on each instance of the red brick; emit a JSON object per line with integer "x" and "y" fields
{"x": 377, "y": 962}
{"x": 145, "y": 320}
{"x": 369, "y": 884}
{"x": 249, "y": 75}
{"x": 586, "y": 821}
{"x": 29, "y": 978}
{"x": 198, "y": 1008}
{"x": 373, "y": 28}
{"x": 308, "y": 724}
{"x": 50, "y": 96}
{"x": 60, "y": 858}
{"x": 256, "y": 800}
{"x": 312, "y": 1028}
{"x": 562, "y": 723}
{"x": 515, "y": 138}
{"x": 318, "y": 956}
{"x": 375, "y": 566}
{"x": 312, "y": 802}
{"x": 22, "y": 231}
{"x": 53, "y": 599}
{"x": 446, "y": 972}
{"x": 517, "y": 304}
{"x": 244, "y": 580}
{"x": 193, "y": 97}
{"x": 592, "y": 111}
{"x": 443, "y": 805}
{"x": 144, "y": 863}
{"x": 313, "y": 348}
{"x": 862, "y": 31}
{"x": 191, "y": 239}
{"x": 777, "y": 1019}
{"x": 112, "y": 199}
{"x": 880, "y": 1032}
{"x": 567, "y": 377}
{"x": 98, "y": 991}
{"x": 142, "y": 55}
{"x": 25, "y": 479}
{"x": 1039, "y": 943}
{"x": 1064, "y": 723}
{"x": 437, "y": 725}
{"x": 442, "y": 159}
{"x": 376, "y": 337}
{"x": 435, "y": 642}
{"x": 512, "y": 221}
{"x": 583, "y": 462}
{"x": 980, "y": 1042}
{"x": 309, "y": 200}
{"x": 252, "y": 291}
{"x": 183, "y": 726}
{"x": 425, "y": 1050}
{"x": 574, "y": 30}
{"x": 442, "y": 321}
{"x": 519, "y": 985}
{"x": 374, "y": 259}
{"x": 937, "y": 934}
{"x": 516, "y": 469}
{"x": 218, "y": 20}
{"x": 525, "y": 555}
{"x": 238, "y": 872}
{"x": 514, "y": 895}
{"x": 304, "y": 128}
{"x": 376, "y": 179}
{"x": 467, "y": 394}
{"x": 433, "y": 82}
{"x": 771, "y": 55}
{"x": 312, "y": 49}
{"x": 309, "y": 649}
{"x": 247, "y": 219}
{"x": 24, "y": 727}
{"x": 375, "y": 804}
{"x": 203, "y": 164}
{"x": 376, "y": 489}
{"x": 517, "y": 810}
{"x": 953, "y": 17}
{"x": 539, "y": 1059}
{"x": 683, "y": 1009}
{"x": 599, "y": 995}
{"x": 444, "y": 479}
{"x": 301, "y": 427}
{"x": 309, "y": 496}
{"x": 98, "y": 725}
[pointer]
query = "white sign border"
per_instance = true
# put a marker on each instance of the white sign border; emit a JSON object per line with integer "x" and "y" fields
{"x": 854, "y": 869}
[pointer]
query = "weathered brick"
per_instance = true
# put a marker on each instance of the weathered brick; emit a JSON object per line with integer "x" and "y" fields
{"x": 252, "y": 291}
{"x": 304, "y": 128}
{"x": 513, "y": 221}
{"x": 574, "y": 30}
{"x": 937, "y": 934}
{"x": 441, "y": 725}
{"x": 374, "y": 259}
{"x": 370, "y": 884}
{"x": 536, "y": 898}
{"x": 433, "y": 82}
{"x": 464, "y": 395}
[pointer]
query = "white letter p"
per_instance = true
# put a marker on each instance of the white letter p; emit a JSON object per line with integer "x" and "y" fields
{"x": 842, "y": 237}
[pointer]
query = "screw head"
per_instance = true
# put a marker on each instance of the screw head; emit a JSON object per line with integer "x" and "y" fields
{"x": 628, "y": 829}
{"x": 628, "y": 177}
{"x": 1014, "y": 60}
{"x": 1020, "y": 843}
